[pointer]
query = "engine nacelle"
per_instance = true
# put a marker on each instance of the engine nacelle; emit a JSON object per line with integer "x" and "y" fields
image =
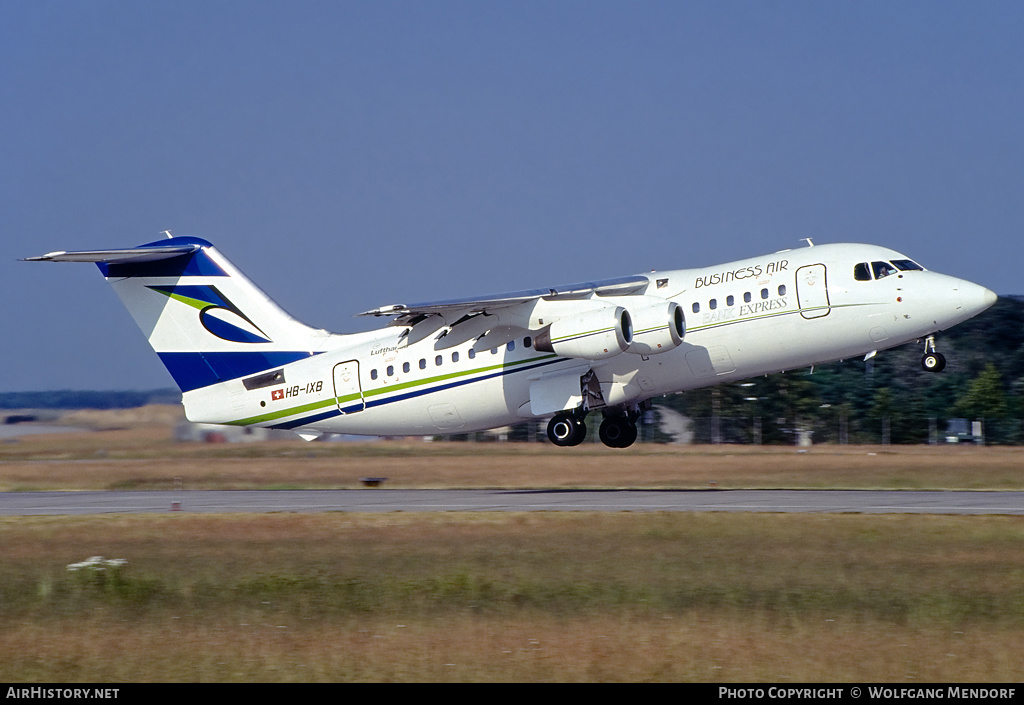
{"x": 657, "y": 328}
{"x": 590, "y": 335}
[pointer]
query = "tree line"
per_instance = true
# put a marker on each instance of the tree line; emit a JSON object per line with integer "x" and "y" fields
{"x": 887, "y": 398}
{"x": 75, "y": 399}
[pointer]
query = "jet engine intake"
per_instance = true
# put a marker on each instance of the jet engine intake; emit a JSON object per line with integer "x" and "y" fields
{"x": 596, "y": 334}
{"x": 657, "y": 329}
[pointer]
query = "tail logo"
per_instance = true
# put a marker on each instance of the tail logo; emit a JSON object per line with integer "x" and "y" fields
{"x": 217, "y": 314}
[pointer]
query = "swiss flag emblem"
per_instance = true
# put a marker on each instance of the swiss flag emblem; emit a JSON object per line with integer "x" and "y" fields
{"x": 277, "y": 394}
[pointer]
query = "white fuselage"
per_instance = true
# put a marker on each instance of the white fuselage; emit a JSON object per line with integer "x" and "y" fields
{"x": 751, "y": 317}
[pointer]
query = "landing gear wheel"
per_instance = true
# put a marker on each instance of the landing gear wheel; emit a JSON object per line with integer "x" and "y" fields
{"x": 933, "y": 362}
{"x": 565, "y": 430}
{"x": 617, "y": 432}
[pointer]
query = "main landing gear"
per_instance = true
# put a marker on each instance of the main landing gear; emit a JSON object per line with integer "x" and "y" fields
{"x": 567, "y": 429}
{"x": 933, "y": 361}
{"x": 616, "y": 431}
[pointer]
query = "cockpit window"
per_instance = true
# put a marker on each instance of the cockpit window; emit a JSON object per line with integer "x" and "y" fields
{"x": 882, "y": 269}
{"x": 863, "y": 272}
{"x": 905, "y": 265}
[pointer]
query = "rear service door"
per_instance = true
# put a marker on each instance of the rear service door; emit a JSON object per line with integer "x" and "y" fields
{"x": 347, "y": 390}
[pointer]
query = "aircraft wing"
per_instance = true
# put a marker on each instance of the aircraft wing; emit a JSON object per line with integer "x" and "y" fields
{"x": 406, "y": 314}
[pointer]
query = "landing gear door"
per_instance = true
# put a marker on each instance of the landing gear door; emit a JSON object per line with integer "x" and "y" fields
{"x": 558, "y": 391}
{"x": 812, "y": 291}
{"x": 347, "y": 391}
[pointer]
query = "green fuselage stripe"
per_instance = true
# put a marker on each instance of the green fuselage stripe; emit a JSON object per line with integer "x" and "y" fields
{"x": 383, "y": 389}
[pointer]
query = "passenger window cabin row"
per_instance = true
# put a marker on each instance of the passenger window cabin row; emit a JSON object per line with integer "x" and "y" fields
{"x": 730, "y": 300}
{"x": 439, "y": 359}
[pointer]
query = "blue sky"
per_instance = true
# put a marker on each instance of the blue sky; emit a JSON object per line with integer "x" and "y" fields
{"x": 351, "y": 154}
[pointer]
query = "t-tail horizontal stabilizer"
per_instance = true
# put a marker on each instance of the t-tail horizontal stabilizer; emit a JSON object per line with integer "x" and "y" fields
{"x": 136, "y": 255}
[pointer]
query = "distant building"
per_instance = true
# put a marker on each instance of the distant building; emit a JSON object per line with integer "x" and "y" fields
{"x": 188, "y": 432}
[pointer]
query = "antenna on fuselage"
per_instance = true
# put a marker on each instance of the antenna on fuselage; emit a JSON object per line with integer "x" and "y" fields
{"x": 167, "y": 233}
{"x": 808, "y": 241}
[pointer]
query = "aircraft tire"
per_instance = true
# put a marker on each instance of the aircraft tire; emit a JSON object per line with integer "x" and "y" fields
{"x": 933, "y": 362}
{"x": 565, "y": 430}
{"x": 617, "y": 432}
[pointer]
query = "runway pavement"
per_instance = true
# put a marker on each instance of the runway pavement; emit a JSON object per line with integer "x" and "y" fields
{"x": 399, "y": 500}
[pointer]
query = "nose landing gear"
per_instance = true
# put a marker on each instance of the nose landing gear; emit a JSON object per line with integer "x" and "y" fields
{"x": 933, "y": 361}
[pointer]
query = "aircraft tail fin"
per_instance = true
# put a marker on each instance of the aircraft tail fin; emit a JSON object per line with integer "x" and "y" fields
{"x": 204, "y": 318}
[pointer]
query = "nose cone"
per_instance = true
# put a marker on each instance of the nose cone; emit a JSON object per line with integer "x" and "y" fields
{"x": 974, "y": 298}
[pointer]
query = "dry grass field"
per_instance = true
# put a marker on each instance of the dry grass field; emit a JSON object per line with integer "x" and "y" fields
{"x": 137, "y": 451}
{"x": 514, "y": 597}
{"x": 710, "y": 597}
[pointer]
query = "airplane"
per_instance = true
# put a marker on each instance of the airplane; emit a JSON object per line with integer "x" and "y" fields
{"x": 463, "y": 365}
